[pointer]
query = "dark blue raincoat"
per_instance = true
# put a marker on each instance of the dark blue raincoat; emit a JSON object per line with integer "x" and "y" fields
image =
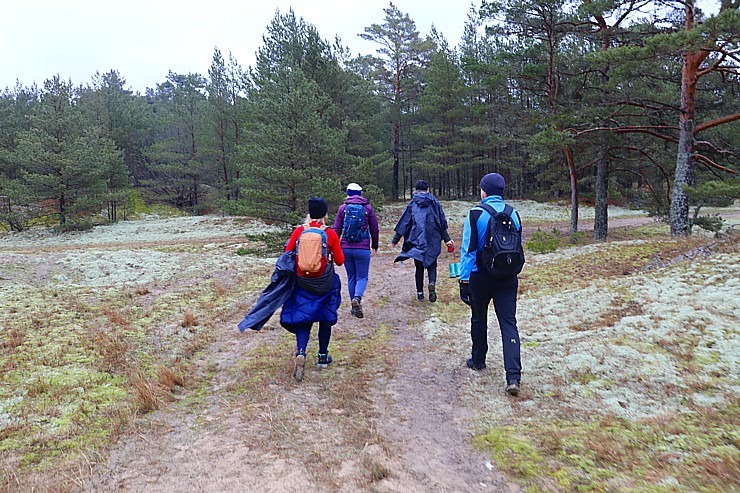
{"x": 423, "y": 226}
{"x": 274, "y": 295}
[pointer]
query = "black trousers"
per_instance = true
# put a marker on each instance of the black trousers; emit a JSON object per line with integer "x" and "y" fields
{"x": 419, "y": 274}
{"x": 503, "y": 292}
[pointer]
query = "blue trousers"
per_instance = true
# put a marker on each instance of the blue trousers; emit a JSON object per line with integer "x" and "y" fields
{"x": 303, "y": 333}
{"x": 357, "y": 263}
{"x": 503, "y": 293}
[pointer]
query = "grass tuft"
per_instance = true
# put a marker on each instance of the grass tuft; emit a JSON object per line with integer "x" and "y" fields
{"x": 188, "y": 319}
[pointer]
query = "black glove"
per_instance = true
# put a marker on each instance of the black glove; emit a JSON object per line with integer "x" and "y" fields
{"x": 465, "y": 295}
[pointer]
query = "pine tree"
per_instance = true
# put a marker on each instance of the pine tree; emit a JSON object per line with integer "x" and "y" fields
{"x": 402, "y": 54}
{"x": 64, "y": 161}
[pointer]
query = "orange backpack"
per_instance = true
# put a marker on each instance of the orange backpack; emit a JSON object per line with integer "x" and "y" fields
{"x": 311, "y": 248}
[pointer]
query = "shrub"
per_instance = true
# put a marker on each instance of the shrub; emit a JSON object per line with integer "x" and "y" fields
{"x": 265, "y": 244}
{"x": 713, "y": 223}
{"x": 543, "y": 242}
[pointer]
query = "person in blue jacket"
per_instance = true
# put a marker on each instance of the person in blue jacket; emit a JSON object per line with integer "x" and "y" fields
{"x": 423, "y": 226}
{"x": 477, "y": 289}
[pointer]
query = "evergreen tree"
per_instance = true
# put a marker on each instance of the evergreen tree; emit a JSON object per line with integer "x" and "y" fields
{"x": 402, "y": 54}
{"x": 442, "y": 114}
{"x": 64, "y": 161}
{"x": 294, "y": 147}
{"x": 222, "y": 97}
{"x": 176, "y": 158}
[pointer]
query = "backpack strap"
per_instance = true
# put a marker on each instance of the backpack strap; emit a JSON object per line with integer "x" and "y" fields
{"x": 489, "y": 209}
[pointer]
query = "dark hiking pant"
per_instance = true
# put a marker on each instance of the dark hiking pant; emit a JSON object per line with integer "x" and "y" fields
{"x": 419, "y": 275}
{"x": 503, "y": 293}
{"x": 303, "y": 333}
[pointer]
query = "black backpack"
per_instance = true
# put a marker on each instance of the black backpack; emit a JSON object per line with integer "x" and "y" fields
{"x": 502, "y": 254}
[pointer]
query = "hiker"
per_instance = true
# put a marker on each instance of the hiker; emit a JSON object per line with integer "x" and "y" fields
{"x": 423, "y": 226}
{"x": 357, "y": 225}
{"x": 317, "y": 292}
{"x": 478, "y": 285}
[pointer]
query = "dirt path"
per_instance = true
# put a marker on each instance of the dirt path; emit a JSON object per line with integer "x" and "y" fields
{"x": 394, "y": 424}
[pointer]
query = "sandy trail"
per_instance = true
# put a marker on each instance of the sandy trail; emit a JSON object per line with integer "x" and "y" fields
{"x": 417, "y": 417}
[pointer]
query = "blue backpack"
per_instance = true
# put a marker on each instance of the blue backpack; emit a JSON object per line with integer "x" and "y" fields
{"x": 354, "y": 230}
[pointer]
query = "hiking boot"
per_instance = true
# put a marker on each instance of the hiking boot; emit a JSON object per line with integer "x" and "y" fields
{"x": 512, "y": 389}
{"x": 299, "y": 366}
{"x": 432, "y": 293}
{"x": 420, "y": 295}
{"x": 357, "y": 307}
{"x": 475, "y": 366}
{"x": 324, "y": 360}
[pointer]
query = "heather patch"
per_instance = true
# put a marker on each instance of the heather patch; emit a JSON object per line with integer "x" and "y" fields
{"x": 612, "y": 364}
{"x": 630, "y": 350}
{"x": 531, "y": 212}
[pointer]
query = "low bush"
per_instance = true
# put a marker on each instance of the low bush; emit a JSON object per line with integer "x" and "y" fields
{"x": 543, "y": 242}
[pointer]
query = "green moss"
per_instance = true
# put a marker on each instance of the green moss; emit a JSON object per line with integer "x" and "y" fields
{"x": 612, "y": 260}
{"x": 513, "y": 453}
{"x": 585, "y": 456}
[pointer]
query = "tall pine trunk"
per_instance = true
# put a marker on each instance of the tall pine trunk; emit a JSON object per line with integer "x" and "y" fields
{"x": 684, "y": 176}
{"x": 601, "y": 208}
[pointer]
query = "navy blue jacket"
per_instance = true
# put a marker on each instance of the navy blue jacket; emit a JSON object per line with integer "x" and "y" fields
{"x": 423, "y": 226}
{"x": 274, "y": 295}
{"x": 303, "y": 307}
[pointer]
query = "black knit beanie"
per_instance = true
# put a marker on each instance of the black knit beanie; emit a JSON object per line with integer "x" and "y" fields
{"x": 421, "y": 185}
{"x": 317, "y": 208}
{"x": 493, "y": 184}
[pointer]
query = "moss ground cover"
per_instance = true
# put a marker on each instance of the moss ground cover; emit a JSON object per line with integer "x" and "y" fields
{"x": 630, "y": 349}
{"x": 83, "y": 348}
{"x": 630, "y": 372}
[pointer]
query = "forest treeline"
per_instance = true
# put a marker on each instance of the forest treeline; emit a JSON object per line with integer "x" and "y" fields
{"x": 601, "y": 101}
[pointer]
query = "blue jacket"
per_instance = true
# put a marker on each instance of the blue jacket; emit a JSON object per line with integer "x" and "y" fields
{"x": 303, "y": 307}
{"x": 467, "y": 258}
{"x": 274, "y": 295}
{"x": 423, "y": 226}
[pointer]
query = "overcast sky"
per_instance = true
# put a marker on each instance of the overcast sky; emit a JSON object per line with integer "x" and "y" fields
{"x": 144, "y": 39}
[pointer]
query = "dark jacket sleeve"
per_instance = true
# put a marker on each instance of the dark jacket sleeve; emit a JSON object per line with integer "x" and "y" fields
{"x": 372, "y": 222}
{"x": 443, "y": 226}
{"x": 274, "y": 295}
{"x": 403, "y": 226}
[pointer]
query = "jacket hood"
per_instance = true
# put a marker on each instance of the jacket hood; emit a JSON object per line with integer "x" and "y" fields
{"x": 356, "y": 199}
{"x": 422, "y": 199}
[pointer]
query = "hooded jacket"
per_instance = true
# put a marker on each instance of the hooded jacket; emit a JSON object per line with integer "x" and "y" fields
{"x": 423, "y": 226}
{"x": 371, "y": 223}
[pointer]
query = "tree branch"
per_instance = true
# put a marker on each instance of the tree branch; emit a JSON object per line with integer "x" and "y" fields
{"x": 717, "y": 121}
{"x": 708, "y": 162}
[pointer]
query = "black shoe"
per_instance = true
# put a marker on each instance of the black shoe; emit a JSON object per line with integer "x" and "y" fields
{"x": 420, "y": 296}
{"x": 512, "y": 389}
{"x": 432, "y": 293}
{"x": 357, "y": 307}
{"x": 474, "y": 366}
{"x": 299, "y": 366}
{"x": 324, "y": 360}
